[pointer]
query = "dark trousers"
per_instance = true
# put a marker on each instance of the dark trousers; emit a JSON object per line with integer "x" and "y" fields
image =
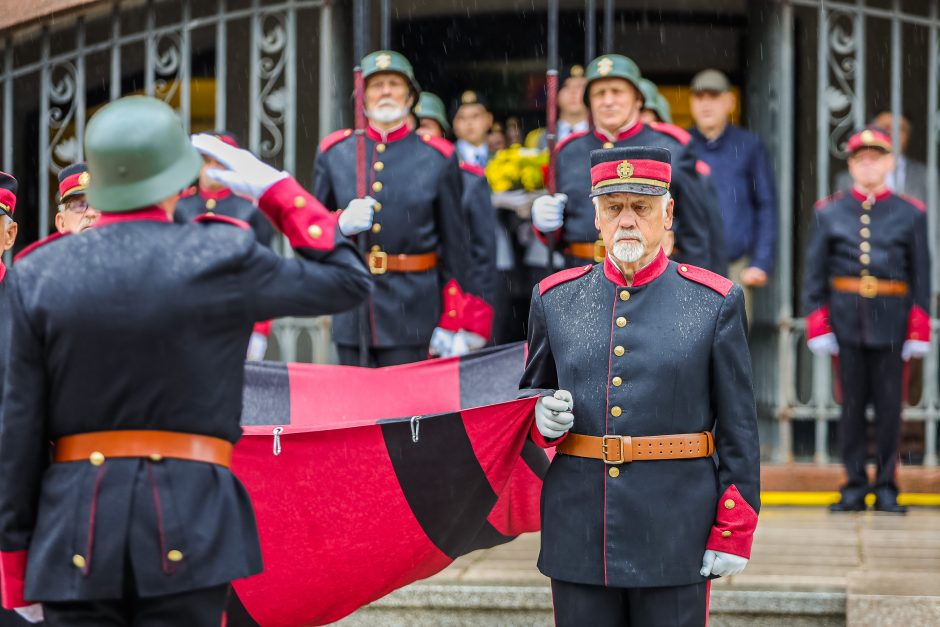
{"x": 196, "y": 608}
{"x": 9, "y": 618}
{"x": 381, "y": 357}
{"x": 578, "y": 604}
{"x": 869, "y": 375}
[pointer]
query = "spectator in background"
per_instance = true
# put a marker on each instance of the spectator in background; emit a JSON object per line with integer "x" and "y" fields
{"x": 472, "y": 122}
{"x": 74, "y": 214}
{"x": 740, "y": 170}
{"x": 496, "y": 138}
{"x": 909, "y": 176}
{"x": 572, "y": 110}
{"x": 513, "y": 132}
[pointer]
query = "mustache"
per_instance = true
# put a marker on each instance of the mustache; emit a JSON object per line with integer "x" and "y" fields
{"x": 629, "y": 234}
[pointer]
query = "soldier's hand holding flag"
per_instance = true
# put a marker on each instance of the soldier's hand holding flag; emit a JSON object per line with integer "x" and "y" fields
{"x": 553, "y": 416}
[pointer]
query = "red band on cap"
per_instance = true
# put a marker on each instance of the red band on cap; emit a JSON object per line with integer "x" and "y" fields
{"x": 869, "y": 138}
{"x": 641, "y": 171}
{"x": 73, "y": 184}
{"x": 8, "y": 200}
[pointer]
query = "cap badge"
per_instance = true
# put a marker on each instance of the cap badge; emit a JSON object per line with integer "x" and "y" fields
{"x": 383, "y": 61}
{"x": 625, "y": 170}
{"x": 83, "y": 178}
{"x": 468, "y": 97}
{"x": 868, "y": 137}
{"x": 604, "y": 66}
{"x": 577, "y": 71}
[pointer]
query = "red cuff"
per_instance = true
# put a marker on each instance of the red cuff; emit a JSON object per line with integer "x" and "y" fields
{"x": 918, "y": 325}
{"x": 543, "y": 237}
{"x": 264, "y": 328}
{"x": 735, "y": 522}
{"x": 299, "y": 216}
{"x": 13, "y": 578}
{"x": 817, "y": 323}
{"x": 465, "y": 311}
{"x": 540, "y": 440}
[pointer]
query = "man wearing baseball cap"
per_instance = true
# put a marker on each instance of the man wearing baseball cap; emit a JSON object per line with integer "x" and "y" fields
{"x": 638, "y": 360}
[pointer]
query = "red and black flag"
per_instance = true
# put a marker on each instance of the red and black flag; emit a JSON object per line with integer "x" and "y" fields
{"x": 366, "y": 480}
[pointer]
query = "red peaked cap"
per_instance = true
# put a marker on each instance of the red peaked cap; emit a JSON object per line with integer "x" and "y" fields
{"x": 8, "y": 187}
{"x": 73, "y": 180}
{"x": 637, "y": 170}
{"x": 871, "y": 137}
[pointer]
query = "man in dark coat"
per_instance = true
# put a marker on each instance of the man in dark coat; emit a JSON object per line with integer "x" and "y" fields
{"x": 131, "y": 365}
{"x": 866, "y": 293}
{"x": 613, "y": 92}
{"x": 417, "y": 241}
{"x": 638, "y": 360}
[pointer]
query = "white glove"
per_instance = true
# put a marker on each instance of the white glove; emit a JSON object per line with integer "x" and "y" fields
{"x": 722, "y": 564}
{"x": 357, "y": 216}
{"x": 547, "y": 212}
{"x": 553, "y": 415}
{"x": 441, "y": 342}
{"x": 31, "y": 613}
{"x": 914, "y": 348}
{"x": 257, "y": 347}
{"x": 246, "y": 175}
{"x": 473, "y": 341}
{"x": 825, "y": 344}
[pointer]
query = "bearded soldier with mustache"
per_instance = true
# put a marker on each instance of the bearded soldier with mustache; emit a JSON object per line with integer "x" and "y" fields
{"x": 644, "y": 374}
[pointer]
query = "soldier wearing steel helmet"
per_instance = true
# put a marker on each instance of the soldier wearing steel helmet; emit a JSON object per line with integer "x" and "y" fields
{"x": 415, "y": 228}
{"x": 614, "y": 96}
{"x": 131, "y": 365}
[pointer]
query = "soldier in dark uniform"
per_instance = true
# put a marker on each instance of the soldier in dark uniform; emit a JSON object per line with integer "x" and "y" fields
{"x": 131, "y": 364}
{"x": 416, "y": 231}
{"x": 638, "y": 360}
{"x": 477, "y": 205}
{"x": 866, "y": 291}
{"x": 74, "y": 214}
{"x": 613, "y": 92}
{"x": 209, "y": 197}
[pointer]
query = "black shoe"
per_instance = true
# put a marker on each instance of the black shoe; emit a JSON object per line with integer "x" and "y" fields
{"x": 848, "y": 505}
{"x": 886, "y": 500}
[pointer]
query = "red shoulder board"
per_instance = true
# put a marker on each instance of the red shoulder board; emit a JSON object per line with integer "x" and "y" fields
{"x": 39, "y": 244}
{"x": 334, "y": 138}
{"x": 439, "y": 144}
{"x": 822, "y": 202}
{"x": 703, "y": 168}
{"x": 570, "y": 139}
{"x": 706, "y": 277}
{"x": 215, "y": 217}
{"x": 564, "y": 276}
{"x": 917, "y": 202}
{"x": 189, "y": 191}
{"x": 472, "y": 169}
{"x": 679, "y": 134}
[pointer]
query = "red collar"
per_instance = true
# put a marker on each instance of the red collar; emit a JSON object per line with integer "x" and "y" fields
{"x": 860, "y": 197}
{"x": 215, "y": 194}
{"x": 150, "y": 214}
{"x": 626, "y": 133}
{"x": 3, "y": 271}
{"x": 647, "y": 274}
{"x": 392, "y": 136}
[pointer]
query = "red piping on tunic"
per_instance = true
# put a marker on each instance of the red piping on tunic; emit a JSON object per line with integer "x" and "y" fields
{"x": 151, "y": 214}
{"x": 647, "y": 274}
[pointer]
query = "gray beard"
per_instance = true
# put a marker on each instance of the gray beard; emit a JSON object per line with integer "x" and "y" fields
{"x": 628, "y": 252}
{"x": 386, "y": 115}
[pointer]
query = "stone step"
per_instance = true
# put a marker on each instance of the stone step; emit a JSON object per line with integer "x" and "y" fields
{"x": 445, "y": 605}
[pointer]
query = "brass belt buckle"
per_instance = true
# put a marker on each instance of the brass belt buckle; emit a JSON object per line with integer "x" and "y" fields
{"x": 600, "y": 251}
{"x": 868, "y": 286}
{"x": 626, "y": 444}
{"x": 378, "y": 262}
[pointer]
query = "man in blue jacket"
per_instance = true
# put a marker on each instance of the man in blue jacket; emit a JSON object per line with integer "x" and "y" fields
{"x": 740, "y": 170}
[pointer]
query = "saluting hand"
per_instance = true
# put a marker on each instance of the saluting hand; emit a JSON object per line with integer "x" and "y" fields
{"x": 246, "y": 175}
{"x": 553, "y": 414}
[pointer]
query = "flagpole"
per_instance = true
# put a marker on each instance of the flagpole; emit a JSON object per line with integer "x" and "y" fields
{"x": 359, "y": 50}
{"x": 551, "y": 82}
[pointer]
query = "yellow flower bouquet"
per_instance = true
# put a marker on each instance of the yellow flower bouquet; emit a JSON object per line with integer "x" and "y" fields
{"x": 517, "y": 168}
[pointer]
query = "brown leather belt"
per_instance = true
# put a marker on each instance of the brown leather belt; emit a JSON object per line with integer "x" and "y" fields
{"x": 381, "y": 262}
{"x": 98, "y": 446}
{"x": 869, "y": 286}
{"x": 587, "y": 250}
{"x": 623, "y": 449}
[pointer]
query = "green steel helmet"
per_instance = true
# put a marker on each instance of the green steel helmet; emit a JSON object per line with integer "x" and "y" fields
{"x": 662, "y": 108}
{"x": 138, "y": 155}
{"x": 612, "y": 66}
{"x": 431, "y": 107}
{"x": 389, "y": 61}
{"x": 649, "y": 91}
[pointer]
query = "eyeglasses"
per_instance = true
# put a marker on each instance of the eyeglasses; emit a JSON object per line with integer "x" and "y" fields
{"x": 74, "y": 206}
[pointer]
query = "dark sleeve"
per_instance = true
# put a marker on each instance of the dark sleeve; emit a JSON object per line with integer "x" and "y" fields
{"x": 764, "y": 201}
{"x": 736, "y": 441}
{"x": 24, "y": 448}
{"x": 691, "y": 213}
{"x": 540, "y": 377}
{"x": 920, "y": 263}
{"x": 262, "y": 228}
{"x": 323, "y": 183}
{"x": 482, "y": 217}
{"x": 326, "y": 276}
{"x": 815, "y": 266}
